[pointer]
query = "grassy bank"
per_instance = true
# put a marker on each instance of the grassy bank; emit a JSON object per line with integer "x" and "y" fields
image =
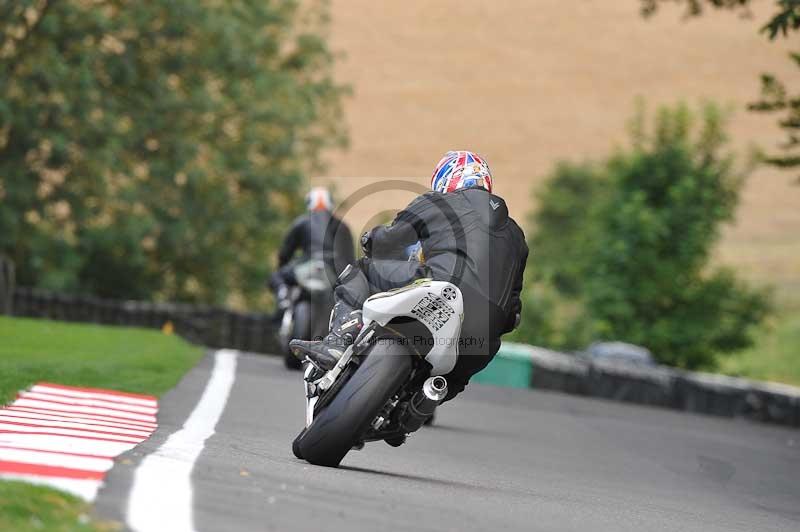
{"x": 776, "y": 354}
{"x": 120, "y": 358}
{"x": 27, "y": 508}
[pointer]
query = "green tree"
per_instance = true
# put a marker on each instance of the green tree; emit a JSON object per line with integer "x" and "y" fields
{"x": 565, "y": 224}
{"x": 154, "y": 149}
{"x": 565, "y": 228}
{"x": 638, "y": 251}
{"x": 538, "y": 321}
{"x": 775, "y": 97}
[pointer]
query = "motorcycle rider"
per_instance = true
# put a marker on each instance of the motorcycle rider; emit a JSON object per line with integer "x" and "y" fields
{"x": 467, "y": 238}
{"x": 318, "y": 233}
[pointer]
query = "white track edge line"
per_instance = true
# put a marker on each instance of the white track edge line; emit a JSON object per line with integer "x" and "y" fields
{"x": 161, "y": 496}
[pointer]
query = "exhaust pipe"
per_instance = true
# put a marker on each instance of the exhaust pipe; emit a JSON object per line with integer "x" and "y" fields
{"x": 424, "y": 402}
{"x": 435, "y": 389}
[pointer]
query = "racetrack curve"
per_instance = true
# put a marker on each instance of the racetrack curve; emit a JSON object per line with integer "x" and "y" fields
{"x": 496, "y": 460}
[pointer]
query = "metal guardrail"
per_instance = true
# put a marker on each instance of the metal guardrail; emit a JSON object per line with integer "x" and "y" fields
{"x": 6, "y": 285}
{"x": 703, "y": 393}
{"x": 209, "y": 326}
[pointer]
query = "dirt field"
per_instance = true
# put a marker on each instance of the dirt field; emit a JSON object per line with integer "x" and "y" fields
{"x": 528, "y": 83}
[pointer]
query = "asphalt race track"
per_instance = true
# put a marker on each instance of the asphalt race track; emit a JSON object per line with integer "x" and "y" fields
{"x": 496, "y": 460}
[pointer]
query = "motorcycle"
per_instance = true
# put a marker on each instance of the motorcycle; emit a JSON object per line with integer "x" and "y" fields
{"x": 308, "y": 306}
{"x": 388, "y": 383}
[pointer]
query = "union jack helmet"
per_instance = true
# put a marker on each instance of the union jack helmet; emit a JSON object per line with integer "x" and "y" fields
{"x": 461, "y": 169}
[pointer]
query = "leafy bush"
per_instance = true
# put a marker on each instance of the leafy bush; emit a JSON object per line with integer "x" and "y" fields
{"x": 568, "y": 204}
{"x": 635, "y": 258}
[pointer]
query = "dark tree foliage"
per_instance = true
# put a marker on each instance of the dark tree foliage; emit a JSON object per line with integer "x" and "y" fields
{"x": 650, "y": 281}
{"x": 775, "y": 97}
{"x": 694, "y": 7}
{"x": 566, "y": 231}
{"x": 538, "y": 325}
{"x": 153, "y": 149}
{"x": 634, "y": 236}
{"x": 567, "y": 206}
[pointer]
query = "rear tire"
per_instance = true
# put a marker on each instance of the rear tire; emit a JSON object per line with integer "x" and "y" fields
{"x": 339, "y": 426}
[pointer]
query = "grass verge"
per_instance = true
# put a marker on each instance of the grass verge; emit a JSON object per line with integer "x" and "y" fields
{"x": 775, "y": 355}
{"x": 119, "y": 358}
{"x": 28, "y": 508}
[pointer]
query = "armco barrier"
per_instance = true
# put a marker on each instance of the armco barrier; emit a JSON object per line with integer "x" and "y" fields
{"x": 554, "y": 371}
{"x": 201, "y": 324}
{"x": 549, "y": 370}
{"x": 703, "y": 393}
{"x": 512, "y": 370}
{"x": 774, "y": 403}
{"x": 707, "y": 393}
{"x": 6, "y": 285}
{"x": 633, "y": 384}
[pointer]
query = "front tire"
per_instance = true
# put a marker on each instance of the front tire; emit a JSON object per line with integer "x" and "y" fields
{"x": 338, "y": 427}
{"x": 296, "y": 445}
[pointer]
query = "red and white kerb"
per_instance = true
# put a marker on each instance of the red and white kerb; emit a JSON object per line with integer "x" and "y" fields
{"x": 67, "y": 437}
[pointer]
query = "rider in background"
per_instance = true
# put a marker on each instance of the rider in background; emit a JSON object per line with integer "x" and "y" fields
{"x": 467, "y": 238}
{"x": 318, "y": 233}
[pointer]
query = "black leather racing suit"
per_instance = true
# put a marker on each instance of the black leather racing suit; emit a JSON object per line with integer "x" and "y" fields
{"x": 316, "y": 234}
{"x": 469, "y": 239}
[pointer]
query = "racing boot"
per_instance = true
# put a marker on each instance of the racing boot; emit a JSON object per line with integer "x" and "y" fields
{"x": 324, "y": 354}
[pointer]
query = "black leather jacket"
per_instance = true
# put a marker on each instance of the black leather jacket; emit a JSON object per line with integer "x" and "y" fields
{"x": 469, "y": 239}
{"x": 319, "y": 234}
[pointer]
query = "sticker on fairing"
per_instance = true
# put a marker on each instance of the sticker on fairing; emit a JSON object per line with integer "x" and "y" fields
{"x": 433, "y": 311}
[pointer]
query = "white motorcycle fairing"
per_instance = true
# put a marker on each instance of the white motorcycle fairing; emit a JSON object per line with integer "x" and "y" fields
{"x": 438, "y": 305}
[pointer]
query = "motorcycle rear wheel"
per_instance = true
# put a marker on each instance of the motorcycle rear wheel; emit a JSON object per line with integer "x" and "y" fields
{"x": 338, "y": 427}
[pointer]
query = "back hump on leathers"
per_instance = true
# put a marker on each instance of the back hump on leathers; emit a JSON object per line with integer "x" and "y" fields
{"x": 486, "y": 260}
